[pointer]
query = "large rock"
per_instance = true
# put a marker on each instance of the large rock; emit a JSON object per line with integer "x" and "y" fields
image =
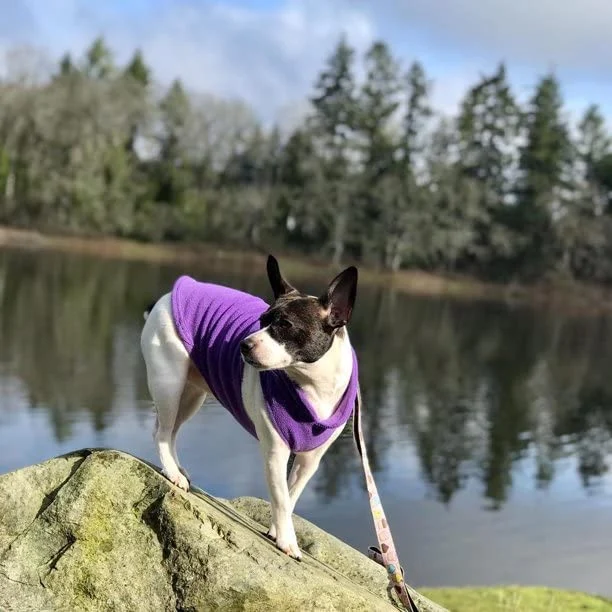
{"x": 101, "y": 530}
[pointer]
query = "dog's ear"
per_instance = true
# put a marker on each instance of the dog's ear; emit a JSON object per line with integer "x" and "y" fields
{"x": 339, "y": 299}
{"x": 279, "y": 285}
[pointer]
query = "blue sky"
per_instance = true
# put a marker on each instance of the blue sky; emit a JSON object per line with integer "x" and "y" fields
{"x": 268, "y": 52}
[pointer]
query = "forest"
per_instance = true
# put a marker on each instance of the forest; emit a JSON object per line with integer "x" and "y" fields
{"x": 503, "y": 190}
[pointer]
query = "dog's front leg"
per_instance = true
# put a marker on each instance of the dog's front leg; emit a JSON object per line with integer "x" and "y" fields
{"x": 276, "y": 457}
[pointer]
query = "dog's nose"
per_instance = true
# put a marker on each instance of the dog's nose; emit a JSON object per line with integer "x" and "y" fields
{"x": 246, "y": 345}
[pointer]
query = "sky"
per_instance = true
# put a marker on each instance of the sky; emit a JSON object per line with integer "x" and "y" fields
{"x": 269, "y": 52}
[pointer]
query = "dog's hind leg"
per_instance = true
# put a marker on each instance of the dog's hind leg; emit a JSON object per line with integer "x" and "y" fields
{"x": 167, "y": 365}
{"x": 191, "y": 400}
{"x": 166, "y": 393}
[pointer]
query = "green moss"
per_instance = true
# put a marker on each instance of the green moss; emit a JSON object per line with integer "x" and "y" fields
{"x": 516, "y": 599}
{"x": 95, "y": 540}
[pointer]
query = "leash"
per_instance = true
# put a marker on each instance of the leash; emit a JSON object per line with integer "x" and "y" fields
{"x": 386, "y": 555}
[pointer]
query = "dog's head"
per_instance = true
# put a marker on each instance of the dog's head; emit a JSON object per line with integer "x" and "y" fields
{"x": 299, "y": 328}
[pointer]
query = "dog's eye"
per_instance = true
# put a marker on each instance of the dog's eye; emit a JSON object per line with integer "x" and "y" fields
{"x": 286, "y": 323}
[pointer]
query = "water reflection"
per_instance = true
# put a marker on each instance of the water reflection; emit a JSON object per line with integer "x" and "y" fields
{"x": 472, "y": 390}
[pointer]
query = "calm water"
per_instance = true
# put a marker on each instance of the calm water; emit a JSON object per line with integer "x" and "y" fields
{"x": 490, "y": 428}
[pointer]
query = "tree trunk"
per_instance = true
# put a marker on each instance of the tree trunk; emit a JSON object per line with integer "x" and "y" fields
{"x": 339, "y": 237}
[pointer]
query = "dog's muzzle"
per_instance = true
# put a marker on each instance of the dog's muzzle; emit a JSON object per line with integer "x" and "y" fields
{"x": 246, "y": 346}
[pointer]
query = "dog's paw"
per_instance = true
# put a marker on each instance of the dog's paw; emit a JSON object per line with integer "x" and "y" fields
{"x": 271, "y": 533}
{"x": 179, "y": 480}
{"x": 289, "y": 547}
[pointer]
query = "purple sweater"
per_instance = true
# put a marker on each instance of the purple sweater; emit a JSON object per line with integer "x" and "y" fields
{"x": 211, "y": 320}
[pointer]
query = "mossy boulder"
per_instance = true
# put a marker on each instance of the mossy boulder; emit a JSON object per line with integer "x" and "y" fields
{"x": 102, "y": 530}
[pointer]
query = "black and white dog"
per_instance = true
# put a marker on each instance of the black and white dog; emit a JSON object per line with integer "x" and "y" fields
{"x": 301, "y": 335}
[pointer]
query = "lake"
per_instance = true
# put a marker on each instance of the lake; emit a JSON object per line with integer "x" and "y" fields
{"x": 489, "y": 427}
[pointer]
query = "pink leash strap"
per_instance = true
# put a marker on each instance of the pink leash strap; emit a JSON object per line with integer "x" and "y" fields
{"x": 386, "y": 554}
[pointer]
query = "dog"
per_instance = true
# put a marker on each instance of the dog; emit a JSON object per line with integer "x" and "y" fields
{"x": 286, "y": 371}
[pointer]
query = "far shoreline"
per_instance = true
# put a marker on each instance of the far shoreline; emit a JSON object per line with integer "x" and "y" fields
{"x": 570, "y": 296}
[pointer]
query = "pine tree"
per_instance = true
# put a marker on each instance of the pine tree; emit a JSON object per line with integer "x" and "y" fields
{"x": 580, "y": 229}
{"x": 543, "y": 165}
{"x": 137, "y": 78}
{"x": 66, "y": 66}
{"x": 137, "y": 70}
{"x": 489, "y": 126}
{"x": 334, "y": 103}
{"x": 418, "y": 111}
{"x": 333, "y": 123}
{"x": 452, "y": 212}
{"x": 402, "y": 197}
{"x": 301, "y": 174}
{"x": 603, "y": 174}
{"x": 174, "y": 108}
{"x": 377, "y": 104}
{"x": 173, "y": 174}
{"x": 98, "y": 60}
{"x": 594, "y": 142}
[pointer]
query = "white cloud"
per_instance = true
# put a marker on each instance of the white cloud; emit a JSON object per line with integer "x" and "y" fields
{"x": 568, "y": 35}
{"x": 447, "y": 92}
{"x": 270, "y": 55}
{"x": 461, "y": 39}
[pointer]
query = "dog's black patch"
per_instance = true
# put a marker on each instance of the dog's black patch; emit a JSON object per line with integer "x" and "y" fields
{"x": 298, "y": 323}
{"x": 303, "y": 324}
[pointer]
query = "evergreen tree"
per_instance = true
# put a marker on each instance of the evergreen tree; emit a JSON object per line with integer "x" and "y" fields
{"x": 489, "y": 126}
{"x": 137, "y": 76}
{"x": 497, "y": 191}
{"x": 302, "y": 176}
{"x": 334, "y": 122}
{"x": 334, "y": 103}
{"x": 594, "y": 143}
{"x": 173, "y": 175}
{"x": 544, "y": 161}
{"x": 175, "y": 108}
{"x": 377, "y": 104}
{"x": 402, "y": 198}
{"x": 66, "y": 66}
{"x": 603, "y": 175}
{"x": 137, "y": 70}
{"x": 449, "y": 222}
{"x": 581, "y": 230}
{"x": 418, "y": 112}
{"x": 98, "y": 60}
